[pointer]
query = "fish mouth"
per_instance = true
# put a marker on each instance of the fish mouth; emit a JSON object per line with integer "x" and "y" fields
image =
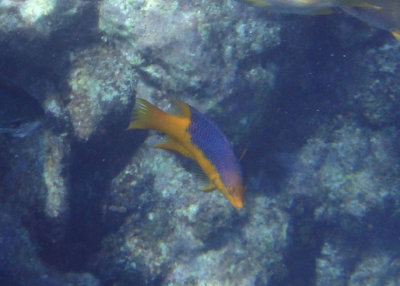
{"x": 237, "y": 203}
{"x": 235, "y": 196}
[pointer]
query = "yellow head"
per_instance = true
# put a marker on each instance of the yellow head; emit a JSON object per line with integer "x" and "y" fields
{"x": 235, "y": 195}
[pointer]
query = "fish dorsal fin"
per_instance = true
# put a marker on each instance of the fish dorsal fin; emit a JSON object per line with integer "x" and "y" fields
{"x": 396, "y": 34}
{"x": 182, "y": 109}
{"x": 173, "y": 145}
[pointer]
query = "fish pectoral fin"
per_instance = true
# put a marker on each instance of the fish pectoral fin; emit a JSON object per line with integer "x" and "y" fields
{"x": 173, "y": 145}
{"x": 210, "y": 187}
{"x": 396, "y": 34}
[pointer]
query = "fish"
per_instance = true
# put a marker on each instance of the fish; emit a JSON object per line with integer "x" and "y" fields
{"x": 20, "y": 113}
{"x": 385, "y": 17}
{"x": 194, "y": 136}
{"x": 308, "y": 7}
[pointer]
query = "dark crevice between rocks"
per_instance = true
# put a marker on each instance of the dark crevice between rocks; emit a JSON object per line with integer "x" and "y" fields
{"x": 378, "y": 231}
{"x": 310, "y": 92}
{"x": 307, "y": 239}
{"x": 35, "y": 60}
{"x": 40, "y": 63}
{"x": 381, "y": 227}
{"x": 128, "y": 278}
{"x": 92, "y": 166}
{"x": 218, "y": 239}
{"x": 5, "y": 279}
{"x": 34, "y": 57}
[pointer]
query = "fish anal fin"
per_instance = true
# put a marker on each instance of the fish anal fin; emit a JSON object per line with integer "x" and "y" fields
{"x": 396, "y": 34}
{"x": 173, "y": 145}
{"x": 210, "y": 187}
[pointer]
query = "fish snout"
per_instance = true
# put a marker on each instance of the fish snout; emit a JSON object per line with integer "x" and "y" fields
{"x": 236, "y": 196}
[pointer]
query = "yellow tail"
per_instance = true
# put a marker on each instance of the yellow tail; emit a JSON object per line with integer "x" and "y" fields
{"x": 146, "y": 116}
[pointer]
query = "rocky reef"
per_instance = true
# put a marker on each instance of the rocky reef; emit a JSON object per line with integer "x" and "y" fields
{"x": 312, "y": 101}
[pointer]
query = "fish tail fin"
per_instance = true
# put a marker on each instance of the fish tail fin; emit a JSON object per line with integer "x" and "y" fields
{"x": 146, "y": 116}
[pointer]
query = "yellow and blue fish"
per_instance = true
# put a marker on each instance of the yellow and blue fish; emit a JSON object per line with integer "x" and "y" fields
{"x": 308, "y": 7}
{"x": 195, "y": 136}
{"x": 385, "y": 16}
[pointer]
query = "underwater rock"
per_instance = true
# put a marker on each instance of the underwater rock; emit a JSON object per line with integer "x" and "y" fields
{"x": 22, "y": 183}
{"x": 376, "y": 268}
{"x": 377, "y": 97}
{"x": 250, "y": 256}
{"x": 55, "y": 176}
{"x": 187, "y": 49}
{"x": 101, "y": 86}
{"x": 23, "y": 14}
{"x": 34, "y": 182}
{"x": 172, "y": 232}
{"x": 348, "y": 174}
{"x": 20, "y": 265}
{"x": 41, "y": 16}
{"x": 357, "y": 261}
{"x": 336, "y": 260}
